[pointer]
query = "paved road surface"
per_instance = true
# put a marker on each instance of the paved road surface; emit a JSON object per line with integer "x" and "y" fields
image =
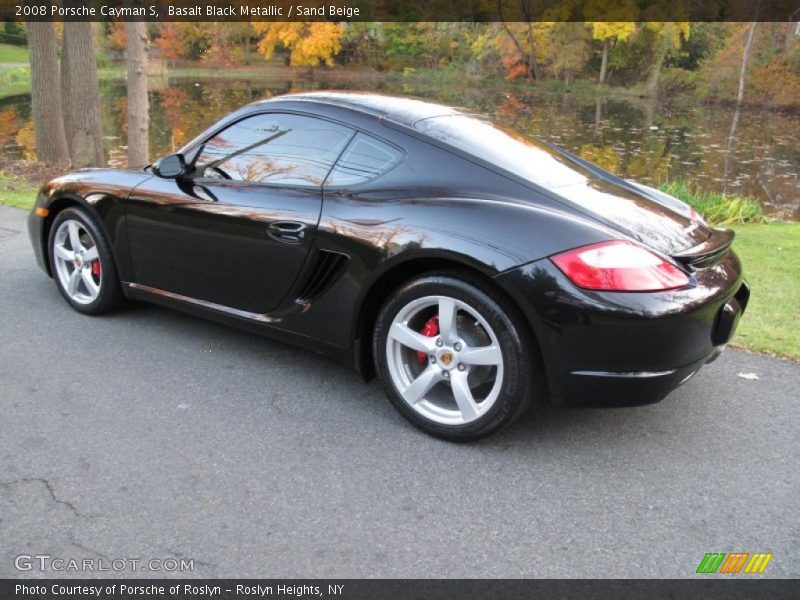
{"x": 151, "y": 434}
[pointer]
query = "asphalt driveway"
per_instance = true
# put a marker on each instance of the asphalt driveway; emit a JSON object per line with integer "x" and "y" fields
{"x": 151, "y": 434}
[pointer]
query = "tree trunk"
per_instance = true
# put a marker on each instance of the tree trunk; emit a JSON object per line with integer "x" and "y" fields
{"x": 746, "y": 59}
{"x": 658, "y": 63}
{"x": 67, "y": 108}
{"x": 138, "y": 105}
{"x": 526, "y": 59}
{"x": 532, "y": 61}
{"x": 81, "y": 96}
{"x": 247, "y": 44}
{"x": 739, "y": 98}
{"x": 604, "y": 62}
{"x": 48, "y": 120}
{"x": 518, "y": 46}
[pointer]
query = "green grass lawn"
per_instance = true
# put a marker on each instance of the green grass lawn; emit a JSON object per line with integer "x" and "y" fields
{"x": 15, "y": 191}
{"x": 14, "y": 81}
{"x": 13, "y": 54}
{"x": 770, "y": 255}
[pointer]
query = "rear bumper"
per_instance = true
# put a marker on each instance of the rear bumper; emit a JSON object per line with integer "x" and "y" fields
{"x": 598, "y": 389}
{"x": 605, "y": 349}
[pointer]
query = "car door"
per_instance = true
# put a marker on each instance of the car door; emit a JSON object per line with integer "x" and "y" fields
{"x": 236, "y": 230}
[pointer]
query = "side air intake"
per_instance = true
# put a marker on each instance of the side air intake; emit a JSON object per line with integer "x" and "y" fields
{"x": 327, "y": 267}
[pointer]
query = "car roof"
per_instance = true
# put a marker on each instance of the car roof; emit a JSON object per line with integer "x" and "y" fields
{"x": 403, "y": 110}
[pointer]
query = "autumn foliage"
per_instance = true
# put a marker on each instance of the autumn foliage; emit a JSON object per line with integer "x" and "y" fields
{"x": 309, "y": 44}
{"x": 679, "y": 56}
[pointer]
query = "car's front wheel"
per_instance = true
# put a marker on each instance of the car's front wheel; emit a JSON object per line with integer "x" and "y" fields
{"x": 454, "y": 356}
{"x": 82, "y": 264}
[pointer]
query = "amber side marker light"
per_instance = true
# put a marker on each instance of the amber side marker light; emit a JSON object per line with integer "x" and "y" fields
{"x": 42, "y": 212}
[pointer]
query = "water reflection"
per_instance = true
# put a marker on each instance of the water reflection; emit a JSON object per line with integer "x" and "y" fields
{"x": 633, "y": 138}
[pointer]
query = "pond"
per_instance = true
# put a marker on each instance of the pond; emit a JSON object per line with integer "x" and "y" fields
{"x": 635, "y": 138}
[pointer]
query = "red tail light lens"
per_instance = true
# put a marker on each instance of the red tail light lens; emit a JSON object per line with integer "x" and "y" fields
{"x": 619, "y": 266}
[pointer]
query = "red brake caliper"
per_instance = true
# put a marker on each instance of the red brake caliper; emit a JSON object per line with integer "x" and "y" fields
{"x": 96, "y": 268}
{"x": 430, "y": 329}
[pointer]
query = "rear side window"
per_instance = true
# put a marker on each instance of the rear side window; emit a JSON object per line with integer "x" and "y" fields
{"x": 364, "y": 159}
{"x": 506, "y": 149}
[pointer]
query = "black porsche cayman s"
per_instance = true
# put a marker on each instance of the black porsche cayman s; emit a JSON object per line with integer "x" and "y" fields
{"x": 474, "y": 270}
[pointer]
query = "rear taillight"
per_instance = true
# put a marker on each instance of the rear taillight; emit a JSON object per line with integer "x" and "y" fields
{"x": 619, "y": 266}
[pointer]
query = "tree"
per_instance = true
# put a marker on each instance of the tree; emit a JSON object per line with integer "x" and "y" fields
{"x": 190, "y": 41}
{"x": 228, "y": 43}
{"x": 609, "y": 32}
{"x": 748, "y": 45}
{"x": 309, "y": 44}
{"x": 138, "y": 105}
{"x": 170, "y": 42}
{"x": 668, "y": 39}
{"x": 51, "y": 139}
{"x": 726, "y": 70}
{"x": 567, "y": 49}
{"x": 364, "y": 43}
{"x": 117, "y": 38}
{"x": 81, "y": 96}
{"x": 526, "y": 62}
{"x": 560, "y": 48}
{"x": 518, "y": 60}
{"x": 248, "y": 33}
{"x": 746, "y": 59}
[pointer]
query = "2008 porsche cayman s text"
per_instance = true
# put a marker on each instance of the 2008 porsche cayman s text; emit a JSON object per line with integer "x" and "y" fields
{"x": 474, "y": 270}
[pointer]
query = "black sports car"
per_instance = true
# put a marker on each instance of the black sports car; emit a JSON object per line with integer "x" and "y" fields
{"x": 473, "y": 269}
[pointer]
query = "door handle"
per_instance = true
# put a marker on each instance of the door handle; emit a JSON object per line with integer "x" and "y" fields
{"x": 290, "y": 232}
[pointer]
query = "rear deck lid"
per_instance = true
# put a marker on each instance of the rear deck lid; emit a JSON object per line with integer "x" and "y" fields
{"x": 634, "y": 210}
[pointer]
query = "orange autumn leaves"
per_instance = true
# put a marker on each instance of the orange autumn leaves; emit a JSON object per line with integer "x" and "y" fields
{"x": 16, "y": 130}
{"x": 309, "y": 44}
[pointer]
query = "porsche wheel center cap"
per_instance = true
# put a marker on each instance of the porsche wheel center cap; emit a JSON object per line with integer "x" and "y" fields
{"x": 446, "y": 358}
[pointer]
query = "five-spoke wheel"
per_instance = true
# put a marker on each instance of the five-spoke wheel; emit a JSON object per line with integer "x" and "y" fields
{"x": 77, "y": 261}
{"x": 81, "y": 262}
{"x": 450, "y": 351}
{"x": 461, "y": 372}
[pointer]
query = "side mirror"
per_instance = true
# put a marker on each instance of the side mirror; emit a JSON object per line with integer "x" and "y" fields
{"x": 170, "y": 167}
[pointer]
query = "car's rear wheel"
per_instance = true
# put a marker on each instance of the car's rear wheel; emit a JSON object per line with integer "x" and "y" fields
{"x": 454, "y": 356}
{"x": 82, "y": 264}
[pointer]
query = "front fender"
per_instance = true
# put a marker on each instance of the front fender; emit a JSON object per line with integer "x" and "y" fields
{"x": 102, "y": 193}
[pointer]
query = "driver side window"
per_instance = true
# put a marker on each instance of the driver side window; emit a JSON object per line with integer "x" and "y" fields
{"x": 273, "y": 148}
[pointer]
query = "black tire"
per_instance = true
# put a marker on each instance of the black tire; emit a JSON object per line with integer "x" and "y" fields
{"x": 522, "y": 372}
{"x": 110, "y": 295}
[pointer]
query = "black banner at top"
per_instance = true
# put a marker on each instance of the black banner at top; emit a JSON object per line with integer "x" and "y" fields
{"x": 400, "y": 10}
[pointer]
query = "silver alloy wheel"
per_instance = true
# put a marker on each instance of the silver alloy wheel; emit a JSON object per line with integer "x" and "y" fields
{"x": 461, "y": 375}
{"x": 75, "y": 251}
